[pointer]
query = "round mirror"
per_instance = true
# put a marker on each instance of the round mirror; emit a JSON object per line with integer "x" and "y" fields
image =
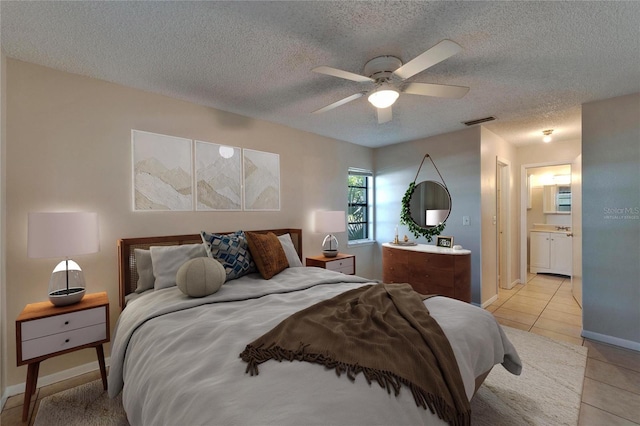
{"x": 430, "y": 204}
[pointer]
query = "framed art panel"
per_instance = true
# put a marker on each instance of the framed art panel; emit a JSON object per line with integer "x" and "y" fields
{"x": 162, "y": 172}
{"x": 261, "y": 180}
{"x": 218, "y": 170}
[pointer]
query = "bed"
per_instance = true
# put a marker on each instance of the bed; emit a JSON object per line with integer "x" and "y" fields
{"x": 176, "y": 359}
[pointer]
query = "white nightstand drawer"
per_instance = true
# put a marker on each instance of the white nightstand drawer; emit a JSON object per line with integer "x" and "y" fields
{"x": 62, "y": 341}
{"x": 342, "y": 265}
{"x": 62, "y": 323}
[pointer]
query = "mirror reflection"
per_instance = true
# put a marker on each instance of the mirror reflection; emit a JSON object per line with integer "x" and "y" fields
{"x": 430, "y": 204}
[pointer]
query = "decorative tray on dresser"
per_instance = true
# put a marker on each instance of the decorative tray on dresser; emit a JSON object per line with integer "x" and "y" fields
{"x": 429, "y": 269}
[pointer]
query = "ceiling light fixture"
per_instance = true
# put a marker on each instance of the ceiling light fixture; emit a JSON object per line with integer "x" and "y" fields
{"x": 547, "y": 135}
{"x": 384, "y": 96}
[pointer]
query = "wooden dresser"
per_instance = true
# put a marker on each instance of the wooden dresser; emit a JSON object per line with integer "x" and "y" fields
{"x": 429, "y": 269}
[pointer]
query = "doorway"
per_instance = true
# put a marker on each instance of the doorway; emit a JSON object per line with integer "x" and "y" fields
{"x": 545, "y": 189}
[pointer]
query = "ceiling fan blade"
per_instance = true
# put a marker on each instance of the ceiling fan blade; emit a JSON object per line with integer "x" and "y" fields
{"x": 338, "y": 103}
{"x": 437, "y": 90}
{"x": 384, "y": 115}
{"x": 342, "y": 74}
{"x": 438, "y": 53}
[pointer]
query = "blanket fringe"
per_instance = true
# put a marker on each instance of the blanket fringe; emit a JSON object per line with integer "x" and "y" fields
{"x": 255, "y": 356}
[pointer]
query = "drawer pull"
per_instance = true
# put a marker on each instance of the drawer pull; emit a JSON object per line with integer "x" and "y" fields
{"x": 66, "y": 341}
{"x": 66, "y": 323}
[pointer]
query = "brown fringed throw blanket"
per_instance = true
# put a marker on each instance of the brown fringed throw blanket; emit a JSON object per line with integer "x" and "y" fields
{"x": 383, "y": 331}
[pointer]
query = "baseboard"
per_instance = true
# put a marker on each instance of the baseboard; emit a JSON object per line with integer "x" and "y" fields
{"x": 3, "y": 399}
{"x": 490, "y": 301}
{"x": 616, "y": 341}
{"x": 55, "y": 377}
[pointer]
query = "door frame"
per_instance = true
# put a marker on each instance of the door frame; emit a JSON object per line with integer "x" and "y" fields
{"x": 523, "y": 210}
{"x": 503, "y": 205}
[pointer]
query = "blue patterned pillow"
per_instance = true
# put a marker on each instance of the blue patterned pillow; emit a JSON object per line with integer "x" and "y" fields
{"x": 232, "y": 251}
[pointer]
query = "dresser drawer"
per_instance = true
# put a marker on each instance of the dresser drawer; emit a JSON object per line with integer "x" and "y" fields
{"x": 63, "y": 323}
{"x": 441, "y": 277}
{"x": 440, "y": 261}
{"x": 395, "y": 257}
{"x": 394, "y": 274}
{"x": 62, "y": 341}
{"x": 346, "y": 266}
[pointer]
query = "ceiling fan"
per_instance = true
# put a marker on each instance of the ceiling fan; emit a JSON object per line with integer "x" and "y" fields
{"x": 389, "y": 76}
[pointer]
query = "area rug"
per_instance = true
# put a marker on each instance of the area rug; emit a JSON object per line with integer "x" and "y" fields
{"x": 547, "y": 393}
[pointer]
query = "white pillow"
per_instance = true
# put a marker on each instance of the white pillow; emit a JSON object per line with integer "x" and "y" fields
{"x": 200, "y": 277}
{"x": 290, "y": 251}
{"x": 166, "y": 261}
{"x": 145, "y": 270}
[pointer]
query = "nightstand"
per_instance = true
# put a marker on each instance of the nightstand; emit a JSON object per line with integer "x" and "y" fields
{"x": 44, "y": 331}
{"x": 345, "y": 263}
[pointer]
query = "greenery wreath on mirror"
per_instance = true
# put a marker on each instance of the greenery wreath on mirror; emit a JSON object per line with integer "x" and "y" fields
{"x": 405, "y": 218}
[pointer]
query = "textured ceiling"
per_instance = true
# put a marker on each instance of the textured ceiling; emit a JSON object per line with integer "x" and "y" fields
{"x": 530, "y": 64}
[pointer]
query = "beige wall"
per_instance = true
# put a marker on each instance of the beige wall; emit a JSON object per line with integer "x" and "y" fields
{"x": 69, "y": 143}
{"x": 492, "y": 148}
{"x": 3, "y": 310}
{"x": 564, "y": 151}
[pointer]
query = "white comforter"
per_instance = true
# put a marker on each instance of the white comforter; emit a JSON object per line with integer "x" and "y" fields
{"x": 176, "y": 358}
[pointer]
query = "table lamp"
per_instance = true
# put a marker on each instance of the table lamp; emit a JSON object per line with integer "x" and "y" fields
{"x": 330, "y": 222}
{"x": 63, "y": 234}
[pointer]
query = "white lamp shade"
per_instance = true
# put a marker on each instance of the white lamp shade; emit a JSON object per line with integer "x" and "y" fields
{"x": 383, "y": 98}
{"x": 330, "y": 221}
{"x": 62, "y": 234}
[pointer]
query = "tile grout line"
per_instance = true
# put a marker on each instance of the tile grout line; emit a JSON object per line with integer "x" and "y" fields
{"x": 609, "y": 384}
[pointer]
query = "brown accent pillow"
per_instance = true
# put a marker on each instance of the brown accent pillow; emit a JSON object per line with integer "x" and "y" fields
{"x": 267, "y": 253}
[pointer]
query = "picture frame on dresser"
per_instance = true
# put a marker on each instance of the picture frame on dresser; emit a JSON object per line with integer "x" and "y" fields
{"x": 442, "y": 241}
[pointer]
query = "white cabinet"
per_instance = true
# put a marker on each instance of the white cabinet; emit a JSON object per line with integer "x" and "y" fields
{"x": 539, "y": 252}
{"x": 560, "y": 254}
{"x": 550, "y": 252}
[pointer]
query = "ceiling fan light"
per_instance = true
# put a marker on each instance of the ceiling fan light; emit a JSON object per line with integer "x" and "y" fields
{"x": 383, "y": 98}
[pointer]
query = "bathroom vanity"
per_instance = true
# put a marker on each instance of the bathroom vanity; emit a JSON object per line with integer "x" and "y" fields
{"x": 550, "y": 251}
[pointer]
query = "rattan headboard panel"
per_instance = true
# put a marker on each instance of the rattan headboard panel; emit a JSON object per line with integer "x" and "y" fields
{"x": 128, "y": 271}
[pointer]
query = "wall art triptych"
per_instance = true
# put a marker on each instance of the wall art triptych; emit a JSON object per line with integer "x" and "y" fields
{"x": 177, "y": 174}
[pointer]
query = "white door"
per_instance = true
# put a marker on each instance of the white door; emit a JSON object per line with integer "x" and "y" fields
{"x": 503, "y": 258}
{"x": 576, "y": 228}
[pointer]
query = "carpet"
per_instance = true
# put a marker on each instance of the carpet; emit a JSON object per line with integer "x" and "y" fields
{"x": 548, "y": 392}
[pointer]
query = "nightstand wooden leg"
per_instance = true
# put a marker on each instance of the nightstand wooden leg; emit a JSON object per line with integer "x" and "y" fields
{"x": 103, "y": 370}
{"x": 30, "y": 388}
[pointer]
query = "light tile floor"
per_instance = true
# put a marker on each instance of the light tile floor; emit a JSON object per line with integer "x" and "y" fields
{"x": 544, "y": 305}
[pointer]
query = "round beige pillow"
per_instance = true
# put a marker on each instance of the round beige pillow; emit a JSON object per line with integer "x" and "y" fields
{"x": 200, "y": 277}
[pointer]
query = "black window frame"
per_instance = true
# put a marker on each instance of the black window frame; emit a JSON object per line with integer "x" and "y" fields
{"x": 365, "y": 231}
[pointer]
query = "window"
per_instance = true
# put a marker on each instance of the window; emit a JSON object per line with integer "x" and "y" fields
{"x": 359, "y": 214}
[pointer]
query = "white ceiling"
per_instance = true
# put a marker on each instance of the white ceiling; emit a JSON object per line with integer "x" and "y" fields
{"x": 530, "y": 64}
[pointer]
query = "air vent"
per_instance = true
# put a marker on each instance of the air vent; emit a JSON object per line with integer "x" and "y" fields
{"x": 478, "y": 121}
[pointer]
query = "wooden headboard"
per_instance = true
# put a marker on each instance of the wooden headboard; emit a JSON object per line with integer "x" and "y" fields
{"x": 128, "y": 272}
